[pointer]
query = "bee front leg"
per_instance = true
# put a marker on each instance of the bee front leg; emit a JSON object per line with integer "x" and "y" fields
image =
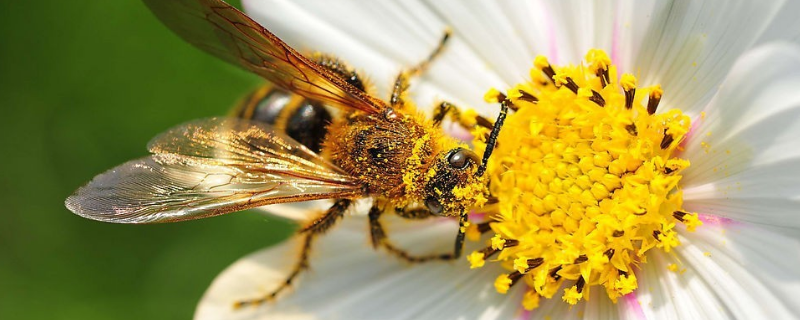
{"x": 380, "y": 239}
{"x": 316, "y": 227}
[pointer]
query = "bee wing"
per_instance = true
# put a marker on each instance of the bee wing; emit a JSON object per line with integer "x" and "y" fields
{"x": 207, "y": 168}
{"x": 226, "y": 32}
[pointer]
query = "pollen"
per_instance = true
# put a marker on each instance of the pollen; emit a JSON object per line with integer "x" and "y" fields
{"x": 587, "y": 179}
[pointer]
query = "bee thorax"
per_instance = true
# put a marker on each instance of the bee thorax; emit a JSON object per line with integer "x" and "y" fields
{"x": 390, "y": 156}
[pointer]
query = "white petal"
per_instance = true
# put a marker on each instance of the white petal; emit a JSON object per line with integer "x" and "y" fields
{"x": 690, "y": 46}
{"x": 381, "y": 38}
{"x": 784, "y": 26}
{"x": 349, "y": 280}
{"x": 745, "y": 163}
{"x": 732, "y": 271}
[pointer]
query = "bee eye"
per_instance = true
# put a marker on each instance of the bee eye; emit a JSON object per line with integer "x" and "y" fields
{"x": 460, "y": 158}
{"x": 434, "y": 206}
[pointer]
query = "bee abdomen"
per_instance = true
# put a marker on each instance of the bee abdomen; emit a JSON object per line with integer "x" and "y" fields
{"x": 304, "y": 120}
{"x": 308, "y": 124}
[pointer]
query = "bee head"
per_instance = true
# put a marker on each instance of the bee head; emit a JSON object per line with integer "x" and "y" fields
{"x": 454, "y": 185}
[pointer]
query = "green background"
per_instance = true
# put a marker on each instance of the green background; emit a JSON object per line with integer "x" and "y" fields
{"x": 83, "y": 86}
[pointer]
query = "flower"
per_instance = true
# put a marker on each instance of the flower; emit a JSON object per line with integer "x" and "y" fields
{"x": 730, "y": 69}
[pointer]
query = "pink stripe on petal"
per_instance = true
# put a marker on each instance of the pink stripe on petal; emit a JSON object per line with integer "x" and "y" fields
{"x": 615, "y": 38}
{"x": 525, "y": 314}
{"x": 695, "y": 126}
{"x": 632, "y": 304}
{"x": 715, "y": 220}
{"x": 551, "y": 41}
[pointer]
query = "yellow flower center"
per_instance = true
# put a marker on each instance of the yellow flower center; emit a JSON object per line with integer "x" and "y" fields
{"x": 586, "y": 182}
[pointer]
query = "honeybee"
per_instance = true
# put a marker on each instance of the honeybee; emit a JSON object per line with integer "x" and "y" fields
{"x": 384, "y": 150}
{"x": 306, "y": 121}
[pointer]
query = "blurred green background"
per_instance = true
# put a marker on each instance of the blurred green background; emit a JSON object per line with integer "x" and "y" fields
{"x": 83, "y": 86}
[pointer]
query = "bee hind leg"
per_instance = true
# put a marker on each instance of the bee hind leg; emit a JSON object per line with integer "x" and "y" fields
{"x": 317, "y": 227}
{"x": 380, "y": 239}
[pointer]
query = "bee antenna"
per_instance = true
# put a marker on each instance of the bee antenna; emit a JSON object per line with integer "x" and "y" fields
{"x": 492, "y": 140}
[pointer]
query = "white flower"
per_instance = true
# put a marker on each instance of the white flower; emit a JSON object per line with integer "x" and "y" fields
{"x": 732, "y": 66}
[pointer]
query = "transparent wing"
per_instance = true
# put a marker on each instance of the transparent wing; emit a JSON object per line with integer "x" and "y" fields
{"x": 226, "y": 32}
{"x": 207, "y": 168}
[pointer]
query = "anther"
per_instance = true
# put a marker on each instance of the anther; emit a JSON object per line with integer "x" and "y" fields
{"x": 598, "y": 99}
{"x": 514, "y": 276}
{"x": 655, "y": 98}
{"x": 579, "y": 284}
{"x": 541, "y": 63}
{"x": 628, "y": 83}
{"x": 533, "y": 264}
{"x": 679, "y": 215}
{"x": 525, "y": 96}
{"x": 603, "y": 75}
{"x": 483, "y": 227}
{"x": 656, "y": 234}
{"x": 483, "y": 122}
{"x": 667, "y": 140}
{"x": 632, "y": 129}
{"x": 500, "y": 243}
{"x": 571, "y": 85}
{"x": 488, "y": 252}
{"x": 554, "y": 273}
{"x": 609, "y": 253}
{"x": 510, "y": 243}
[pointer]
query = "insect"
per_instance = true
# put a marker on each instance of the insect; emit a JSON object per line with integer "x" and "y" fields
{"x": 303, "y": 120}
{"x": 384, "y": 150}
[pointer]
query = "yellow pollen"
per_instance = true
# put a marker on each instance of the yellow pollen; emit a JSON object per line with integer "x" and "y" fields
{"x": 572, "y": 296}
{"x": 628, "y": 82}
{"x": 586, "y": 179}
{"x": 492, "y": 96}
{"x": 502, "y": 283}
{"x": 498, "y": 242}
{"x": 476, "y": 260}
{"x": 673, "y": 267}
{"x": 530, "y": 300}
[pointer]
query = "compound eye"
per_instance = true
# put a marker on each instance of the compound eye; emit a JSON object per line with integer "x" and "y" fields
{"x": 434, "y": 206}
{"x": 460, "y": 158}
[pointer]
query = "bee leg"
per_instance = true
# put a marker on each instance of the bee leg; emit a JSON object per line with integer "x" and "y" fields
{"x": 446, "y": 109}
{"x": 309, "y": 232}
{"x": 401, "y": 83}
{"x": 380, "y": 239}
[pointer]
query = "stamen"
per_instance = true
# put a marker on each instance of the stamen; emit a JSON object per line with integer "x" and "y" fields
{"x": 628, "y": 83}
{"x": 585, "y": 191}
{"x": 679, "y": 215}
{"x": 592, "y": 96}
{"x": 554, "y": 273}
{"x": 655, "y": 98}
{"x": 506, "y": 281}
{"x": 525, "y": 96}
{"x": 667, "y": 140}
{"x": 478, "y": 258}
{"x": 541, "y": 63}
{"x": 579, "y": 284}
{"x": 526, "y": 265}
{"x": 571, "y": 85}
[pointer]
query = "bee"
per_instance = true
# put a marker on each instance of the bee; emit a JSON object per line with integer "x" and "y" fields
{"x": 306, "y": 121}
{"x": 383, "y": 150}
